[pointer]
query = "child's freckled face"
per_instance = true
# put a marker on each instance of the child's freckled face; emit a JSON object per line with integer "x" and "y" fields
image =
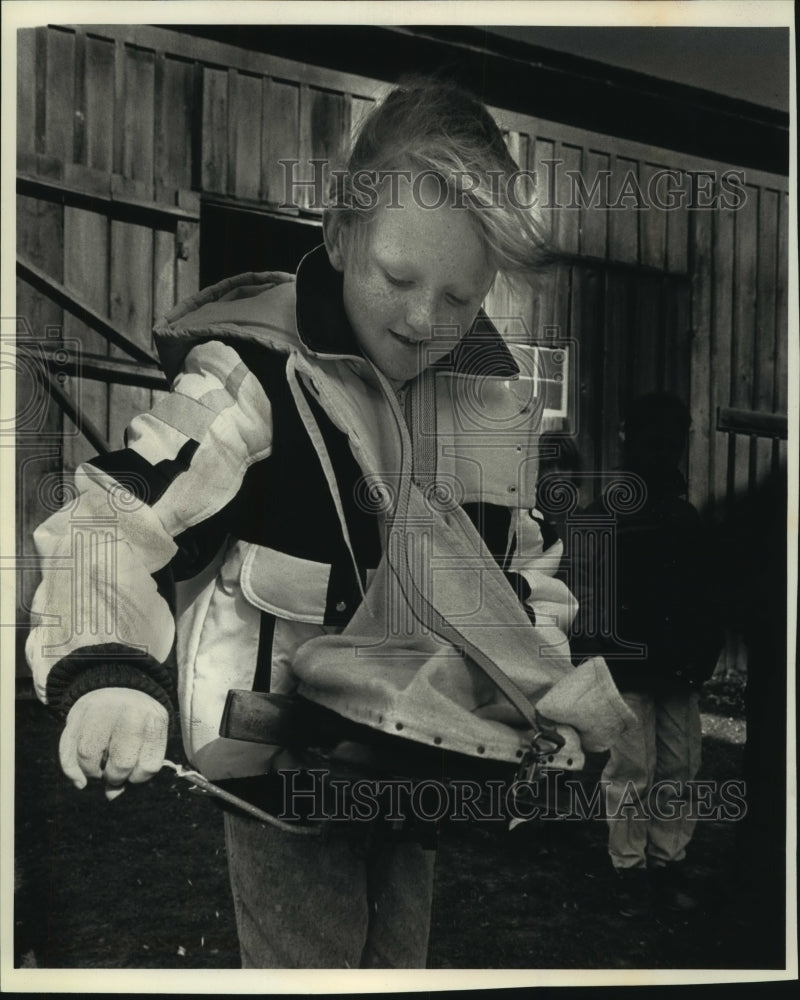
{"x": 415, "y": 286}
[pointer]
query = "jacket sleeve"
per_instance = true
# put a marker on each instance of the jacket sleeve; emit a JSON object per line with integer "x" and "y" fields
{"x": 537, "y": 558}
{"x": 99, "y": 618}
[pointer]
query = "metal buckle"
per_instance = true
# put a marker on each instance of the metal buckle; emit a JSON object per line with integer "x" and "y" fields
{"x": 544, "y": 744}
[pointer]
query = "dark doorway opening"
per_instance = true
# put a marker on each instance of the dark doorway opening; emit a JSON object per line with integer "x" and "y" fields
{"x": 236, "y": 239}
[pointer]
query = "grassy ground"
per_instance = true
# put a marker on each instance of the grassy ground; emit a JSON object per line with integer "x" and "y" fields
{"x": 142, "y": 882}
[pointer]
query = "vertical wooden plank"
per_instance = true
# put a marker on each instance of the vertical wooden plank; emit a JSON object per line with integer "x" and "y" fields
{"x": 196, "y": 142}
{"x": 138, "y": 155}
{"x": 783, "y": 454}
{"x": 86, "y": 274}
{"x": 26, "y": 97}
{"x": 79, "y": 152}
{"x": 161, "y": 187}
{"x": 525, "y": 151}
{"x": 215, "y": 130}
{"x": 322, "y": 140}
{"x": 245, "y": 131}
{"x": 118, "y": 148}
{"x": 744, "y": 321}
{"x": 59, "y": 111}
{"x": 665, "y": 366}
{"x": 623, "y": 214}
{"x": 40, "y": 238}
{"x": 186, "y": 109}
{"x": 347, "y": 127}
{"x": 677, "y": 219}
{"x": 766, "y": 327}
{"x": 40, "y": 95}
{"x": 721, "y": 338}
{"x": 174, "y": 115}
{"x": 594, "y": 215}
{"x": 163, "y": 273}
{"x": 561, "y": 314}
{"x": 99, "y": 104}
{"x": 616, "y": 322}
{"x": 703, "y": 413}
{"x": 544, "y": 170}
{"x": 300, "y": 196}
{"x": 646, "y": 337}
{"x": 163, "y": 279}
{"x": 679, "y": 371}
{"x": 568, "y": 219}
{"x": 781, "y": 392}
{"x": 652, "y": 222}
{"x": 280, "y": 140}
{"x": 233, "y": 87}
{"x": 131, "y": 310}
{"x": 745, "y": 287}
{"x": 327, "y": 134}
{"x": 675, "y": 349}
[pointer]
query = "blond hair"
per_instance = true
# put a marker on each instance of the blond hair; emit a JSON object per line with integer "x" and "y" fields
{"x": 434, "y": 128}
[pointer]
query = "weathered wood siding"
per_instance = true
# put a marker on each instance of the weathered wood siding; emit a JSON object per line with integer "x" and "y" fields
{"x": 693, "y": 301}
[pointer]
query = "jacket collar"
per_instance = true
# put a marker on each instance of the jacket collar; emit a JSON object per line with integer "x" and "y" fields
{"x": 324, "y": 329}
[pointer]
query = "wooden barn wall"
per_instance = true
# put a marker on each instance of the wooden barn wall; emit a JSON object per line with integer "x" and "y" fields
{"x": 690, "y": 301}
{"x": 144, "y": 121}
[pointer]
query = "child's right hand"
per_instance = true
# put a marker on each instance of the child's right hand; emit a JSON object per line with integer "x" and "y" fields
{"x": 118, "y": 734}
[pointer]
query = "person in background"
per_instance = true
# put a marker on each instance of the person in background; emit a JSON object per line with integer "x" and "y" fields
{"x": 558, "y": 492}
{"x": 648, "y": 608}
{"x": 752, "y": 551}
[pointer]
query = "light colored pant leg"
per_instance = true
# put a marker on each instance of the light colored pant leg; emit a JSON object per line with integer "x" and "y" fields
{"x": 626, "y": 778}
{"x": 678, "y": 754}
{"x": 348, "y": 899}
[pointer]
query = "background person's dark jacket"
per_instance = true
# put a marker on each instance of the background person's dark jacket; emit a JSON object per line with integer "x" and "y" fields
{"x": 658, "y": 577}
